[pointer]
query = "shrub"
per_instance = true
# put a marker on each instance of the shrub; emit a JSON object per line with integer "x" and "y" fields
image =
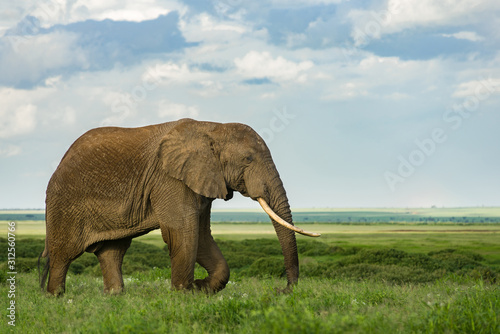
{"x": 137, "y": 247}
{"x": 469, "y": 254}
{"x": 25, "y": 248}
{"x": 389, "y": 273}
{"x": 149, "y": 260}
{"x": 23, "y": 265}
{"x": 264, "y": 267}
{"x": 455, "y": 261}
{"x": 315, "y": 269}
{"x": 484, "y": 273}
{"x": 313, "y": 248}
{"x": 398, "y": 266}
{"x": 241, "y": 260}
{"x": 86, "y": 260}
{"x": 29, "y": 247}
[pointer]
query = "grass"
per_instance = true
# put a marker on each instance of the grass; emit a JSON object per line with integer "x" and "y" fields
{"x": 252, "y": 306}
{"x": 355, "y": 278}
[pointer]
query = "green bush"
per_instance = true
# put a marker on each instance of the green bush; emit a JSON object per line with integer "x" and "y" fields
{"x": 264, "y": 247}
{"x": 23, "y": 265}
{"x": 81, "y": 264}
{"x": 484, "y": 273}
{"x": 149, "y": 260}
{"x": 29, "y": 247}
{"x": 454, "y": 261}
{"x": 76, "y": 268}
{"x": 3, "y": 274}
{"x": 264, "y": 267}
{"x": 387, "y": 273}
{"x": 26, "y": 248}
{"x": 401, "y": 267}
{"x": 314, "y": 248}
{"x": 469, "y": 254}
{"x": 377, "y": 256}
{"x": 316, "y": 269}
{"x": 241, "y": 260}
{"x": 131, "y": 267}
{"x": 138, "y": 247}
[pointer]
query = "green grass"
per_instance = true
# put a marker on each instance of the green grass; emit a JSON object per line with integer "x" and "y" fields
{"x": 252, "y": 306}
{"x": 343, "y": 289}
{"x": 355, "y": 278}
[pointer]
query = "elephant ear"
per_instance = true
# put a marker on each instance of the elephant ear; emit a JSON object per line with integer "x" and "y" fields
{"x": 187, "y": 154}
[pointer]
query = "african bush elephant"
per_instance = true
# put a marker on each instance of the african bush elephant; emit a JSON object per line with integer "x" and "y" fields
{"x": 114, "y": 184}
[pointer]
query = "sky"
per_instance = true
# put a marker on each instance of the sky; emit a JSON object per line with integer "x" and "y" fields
{"x": 384, "y": 103}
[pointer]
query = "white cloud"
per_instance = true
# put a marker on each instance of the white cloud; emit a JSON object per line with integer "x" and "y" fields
{"x": 387, "y": 78}
{"x": 131, "y": 14}
{"x": 481, "y": 89}
{"x": 397, "y": 15}
{"x": 20, "y": 121}
{"x": 347, "y": 91}
{"x": 207, "y": 23}
{"x": 63, "y": 11}
{"x": 262, "y": 65}
{"x": 171, "y": 72}
{"x": 203, "y": 83}
{"x": 29, "y": 58}
{"x": 171, "y": 110}
{"x": 210, "y": 29}
{"x": 467, "y": 35}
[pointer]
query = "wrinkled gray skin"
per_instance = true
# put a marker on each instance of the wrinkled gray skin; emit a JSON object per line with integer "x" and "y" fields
{"x": 115, "y": 184}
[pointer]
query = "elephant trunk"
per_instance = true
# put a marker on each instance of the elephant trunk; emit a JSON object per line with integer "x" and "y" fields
{"x": 275, "y": 204}
{"x": 278, "y": 203}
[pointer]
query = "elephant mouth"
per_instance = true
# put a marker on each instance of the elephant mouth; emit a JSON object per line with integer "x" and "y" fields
{"x": 281, "y": 221}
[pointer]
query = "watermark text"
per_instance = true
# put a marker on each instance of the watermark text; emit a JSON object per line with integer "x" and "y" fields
{"x": 11, "y": 274}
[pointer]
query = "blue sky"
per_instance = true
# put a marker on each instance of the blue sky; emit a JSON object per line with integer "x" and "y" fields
{"x": 363, "y": 103}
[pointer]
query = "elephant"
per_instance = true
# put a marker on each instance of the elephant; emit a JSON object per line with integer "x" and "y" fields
{"x": 114, "y": 184}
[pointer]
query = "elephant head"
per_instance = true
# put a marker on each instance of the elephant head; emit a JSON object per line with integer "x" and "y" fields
{"x": 215, "y": 159}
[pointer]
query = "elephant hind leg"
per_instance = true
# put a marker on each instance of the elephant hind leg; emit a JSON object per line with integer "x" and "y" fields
{"x": 110, "y": 255}
{"x": 58, "y": 268}
{"x": 210, "y": 257}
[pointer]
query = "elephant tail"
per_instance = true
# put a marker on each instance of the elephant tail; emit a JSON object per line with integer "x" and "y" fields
{"x": 42, "y": 276}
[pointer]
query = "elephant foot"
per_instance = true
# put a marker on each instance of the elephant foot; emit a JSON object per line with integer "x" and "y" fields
{"x": 113, "y": 291}
{"x": 59, "y": 292}
{"x": 208, "y": 286}
{"x": 202, "y": 285}
{"x": 285, "y": 291}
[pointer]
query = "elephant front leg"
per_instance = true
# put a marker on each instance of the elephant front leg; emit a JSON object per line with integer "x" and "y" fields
{"x": 182, "y": 246}
{"x": 210, "y": 257}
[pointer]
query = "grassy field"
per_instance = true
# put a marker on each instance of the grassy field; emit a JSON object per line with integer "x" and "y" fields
{"x": 355, "y": 278}
{"x": 252, "y": 306}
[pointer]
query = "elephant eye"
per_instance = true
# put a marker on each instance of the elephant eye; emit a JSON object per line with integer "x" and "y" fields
{"x": 248, "y": 159}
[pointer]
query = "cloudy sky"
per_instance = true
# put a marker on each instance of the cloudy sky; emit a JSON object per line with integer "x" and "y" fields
{"x": 388, "y": 103}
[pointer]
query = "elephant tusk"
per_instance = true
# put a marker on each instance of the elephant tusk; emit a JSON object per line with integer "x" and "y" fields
{"x": 281, "y": 221}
